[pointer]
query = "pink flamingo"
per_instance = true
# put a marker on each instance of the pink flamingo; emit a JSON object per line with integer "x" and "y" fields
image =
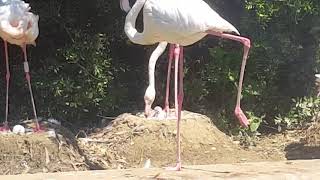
{"x": 20, "y": 27}
{"x": 150, "y": 92}
{"x": 182, "y": 22}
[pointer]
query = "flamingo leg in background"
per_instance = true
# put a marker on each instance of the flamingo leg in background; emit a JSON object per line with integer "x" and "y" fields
{"x": 247, "y": 44}
{"x": 5, "y": 124}
{"x": 166, "y": 103}
{"x": 26, "y": 70}
{"x": 176, "y": 63}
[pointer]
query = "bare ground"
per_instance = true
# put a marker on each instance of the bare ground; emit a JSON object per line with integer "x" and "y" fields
{"x": 129, "y": 141}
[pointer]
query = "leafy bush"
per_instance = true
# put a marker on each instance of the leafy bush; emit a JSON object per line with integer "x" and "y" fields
{"x": 304, "y": 110}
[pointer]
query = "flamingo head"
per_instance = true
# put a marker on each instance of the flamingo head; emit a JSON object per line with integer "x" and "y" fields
{"x": 125, "y": 5}
{"x": 149, "y": 97}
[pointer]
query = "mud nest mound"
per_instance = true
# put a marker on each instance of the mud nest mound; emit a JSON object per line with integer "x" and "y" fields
{"x": 41, "y": 152}
{"x": 130, "y": 140}
{"x": 309, "y": 145}
{"x": 312, "y": 134}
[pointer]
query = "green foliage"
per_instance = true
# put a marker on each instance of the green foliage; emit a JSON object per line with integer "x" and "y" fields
{"x": 283, "y": 59}
{"x": 255, "y": 121}
{"x": 81, "y": 80}
{"x": 303, "y": 111}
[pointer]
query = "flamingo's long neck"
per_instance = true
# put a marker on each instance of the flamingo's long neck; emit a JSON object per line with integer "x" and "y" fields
{"x": 130, "y": 23}
{"x": 153, "y": 60}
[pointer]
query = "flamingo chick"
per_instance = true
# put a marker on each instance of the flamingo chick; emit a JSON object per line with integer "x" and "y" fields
{"x": 20, "y": 27}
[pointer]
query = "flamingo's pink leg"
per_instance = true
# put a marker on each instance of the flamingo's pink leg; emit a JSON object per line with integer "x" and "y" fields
{"x": 247, "y": 44}
{"x": 176, "y": 63}
{"x": 166, "y": 103}
{"x": 5, "y": 124}
{"x": 180, "y": 101}
{"x": 26, "y": 70}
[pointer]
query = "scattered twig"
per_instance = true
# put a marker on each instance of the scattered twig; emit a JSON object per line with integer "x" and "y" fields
{"x": 106, "y": 117}
{"x": 6, "y": 172}
{"x": 157, "y": 175}
{"x": 86, "y": 140}
{"x": 47, "y": 156}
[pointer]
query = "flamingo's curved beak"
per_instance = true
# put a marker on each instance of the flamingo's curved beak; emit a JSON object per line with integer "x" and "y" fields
{"x": 125, "y": 5}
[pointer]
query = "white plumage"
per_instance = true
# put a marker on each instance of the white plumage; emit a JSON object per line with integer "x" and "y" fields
{"x": 179, "y": 22}
{"x": 18, "y": 26}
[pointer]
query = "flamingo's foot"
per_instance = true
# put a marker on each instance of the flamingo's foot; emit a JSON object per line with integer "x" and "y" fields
{"x": 176, "y": 168}
{"x": 170, "y": 113}
{"x": 241, "y": 117}
{"x": 166, "y": 109}
{"x": 5, "y": 127}
{"x": 38, "y": 129}
{"x": 161, "y": 114}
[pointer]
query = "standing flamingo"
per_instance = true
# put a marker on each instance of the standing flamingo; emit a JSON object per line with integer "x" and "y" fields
{"x": 182, "y": 22}
{"x": 150, "y": 92}
{"x": 20, "y": 27}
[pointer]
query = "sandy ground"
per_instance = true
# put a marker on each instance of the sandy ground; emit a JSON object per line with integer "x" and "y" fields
{"x": 130, "y": 141}
{"x": 293, "y": 170}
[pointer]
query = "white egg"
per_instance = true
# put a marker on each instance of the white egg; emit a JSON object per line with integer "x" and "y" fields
{"x": 18, "y": 129}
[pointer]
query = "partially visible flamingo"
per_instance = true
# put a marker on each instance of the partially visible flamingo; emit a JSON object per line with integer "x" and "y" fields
{"x": 182, "y": 22}
{"x": 150, "y": 92}
{"x": 20, "y": 27}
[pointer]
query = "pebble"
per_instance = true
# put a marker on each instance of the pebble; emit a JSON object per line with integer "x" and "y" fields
{"x": 236, "y": 142}
{"x": 51, "y": 133}
{"x": 147, "y": 164}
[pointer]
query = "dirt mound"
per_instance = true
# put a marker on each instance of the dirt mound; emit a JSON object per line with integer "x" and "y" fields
{"x": 130, "y": 140}
{"x": 308, "y": 147}
{"x": 40, "y": 152}
{"x": 312, "y": 135}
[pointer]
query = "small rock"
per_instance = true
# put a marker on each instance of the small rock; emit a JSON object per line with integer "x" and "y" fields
{"x": 147, "y": 164}
{"x": 51, "y": 133}
{"x": 236, "y": 142}
{"x": 45, "y": 170}
{"x": 213, "y": 148}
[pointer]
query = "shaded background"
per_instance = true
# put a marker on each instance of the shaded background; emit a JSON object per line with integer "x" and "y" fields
{"x": 84, "y": 66}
